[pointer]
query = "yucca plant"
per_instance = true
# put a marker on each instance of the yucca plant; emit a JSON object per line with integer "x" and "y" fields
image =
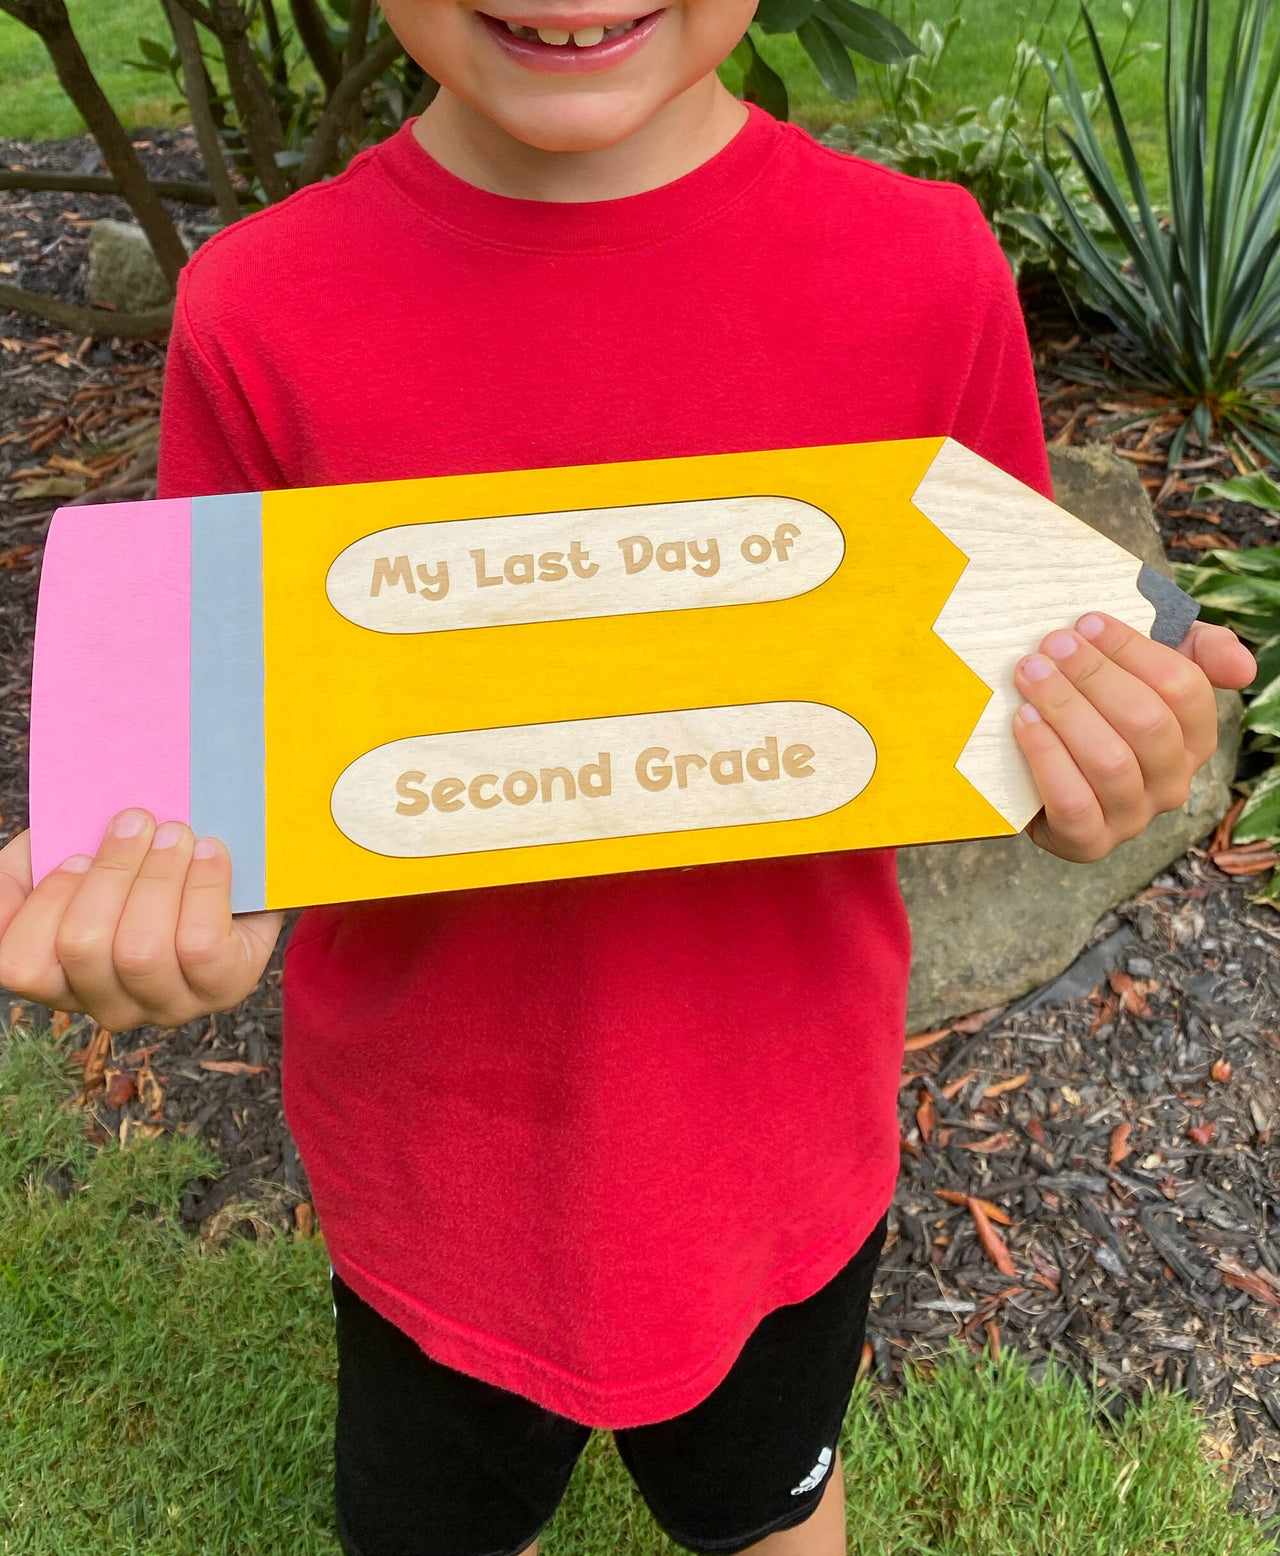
{"x": 1195, "y": 293}
{"x": 1241, "y": 590}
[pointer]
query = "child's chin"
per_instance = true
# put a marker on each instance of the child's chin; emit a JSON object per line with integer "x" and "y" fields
{"x": 573, "y": 122}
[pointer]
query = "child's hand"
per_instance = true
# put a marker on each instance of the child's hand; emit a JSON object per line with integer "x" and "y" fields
{"x": 1115, "y": 726}
{"x": 140, "y": 935}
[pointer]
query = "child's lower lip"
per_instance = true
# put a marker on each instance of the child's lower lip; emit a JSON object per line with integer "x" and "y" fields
{"x": 569, "y": 58}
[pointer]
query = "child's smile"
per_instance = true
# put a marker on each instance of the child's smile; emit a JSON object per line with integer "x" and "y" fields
{"x": 523, "y": 78}
{"x": 575, "y": 43}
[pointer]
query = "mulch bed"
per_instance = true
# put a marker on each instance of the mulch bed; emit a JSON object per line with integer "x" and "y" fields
{"x": 1089, "y": 1176}
{"x": 1092, "y": 1177}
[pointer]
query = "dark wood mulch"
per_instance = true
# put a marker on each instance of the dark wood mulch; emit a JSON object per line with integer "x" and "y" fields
{"x": 1109, "y": 1140}
{"x": 1120, "y": 1124}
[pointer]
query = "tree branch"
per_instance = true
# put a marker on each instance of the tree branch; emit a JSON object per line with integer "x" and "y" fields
{"x": 88, "y": 183}
{"x": 357, "y": 46}
{"x": 259, "y": 121}
{"x": 49, "y": 19}
{"x": 357, "y": 33}
{"x": 86, "y": 321}
{"x": 275, "y": 37}
{"x": 255, "y": 107}
{"x": 424, "y": 99}
{"x": 196, "y": 10}
{"x": 196, "y": 82}
{"x": 313, "y": 32}
{"x": 327, "y": 133}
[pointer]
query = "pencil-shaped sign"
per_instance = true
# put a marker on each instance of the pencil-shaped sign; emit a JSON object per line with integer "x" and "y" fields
{"x": 416, "y": 686}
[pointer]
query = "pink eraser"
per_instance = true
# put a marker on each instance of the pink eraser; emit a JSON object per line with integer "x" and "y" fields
{"x": 111, "y": 688}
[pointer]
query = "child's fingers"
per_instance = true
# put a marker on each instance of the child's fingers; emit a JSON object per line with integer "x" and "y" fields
{"x": 221, "y": 957}
{"x": 28, "y": 957}
{"x": 85, "y": 940}
{"x": 1104, "y": 757}
{"x": 15, "y": 877}
{"x": 1134, "y": 710}
{"x": 145, "y": 953}
{"x": 1221, "y": 655}
{"x": 1072, "y": 823}
{"x": 1170, "y": 673}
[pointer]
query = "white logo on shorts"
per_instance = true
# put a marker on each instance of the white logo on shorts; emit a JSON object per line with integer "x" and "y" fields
{"x": 814, "y": 1477}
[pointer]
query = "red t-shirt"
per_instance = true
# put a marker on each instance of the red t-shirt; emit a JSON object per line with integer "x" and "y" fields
{"x": 577, "y": 1138}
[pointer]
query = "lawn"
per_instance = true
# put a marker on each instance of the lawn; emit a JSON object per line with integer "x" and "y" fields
{"x": 160, "y": 1399}
{"x": 31, "y": 104}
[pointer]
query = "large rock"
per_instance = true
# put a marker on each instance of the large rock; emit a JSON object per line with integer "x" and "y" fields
{"x": 1107, "y": 493}
{"x": 995, "y": 918}
{"x": 123, "y": 270}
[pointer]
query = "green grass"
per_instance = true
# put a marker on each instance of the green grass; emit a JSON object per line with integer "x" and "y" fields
{"x": 161, "y": 1400}
{"x": 32, "y": 104}
{"x": 977, "y": 64}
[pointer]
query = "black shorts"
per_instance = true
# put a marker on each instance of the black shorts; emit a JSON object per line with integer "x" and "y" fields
{"x": 431, "y": 1462}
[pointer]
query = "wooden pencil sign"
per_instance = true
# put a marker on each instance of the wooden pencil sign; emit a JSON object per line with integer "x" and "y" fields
{"x": 418, "y": 686}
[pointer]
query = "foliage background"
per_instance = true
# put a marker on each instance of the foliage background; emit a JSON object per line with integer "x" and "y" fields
{"x": 33, "y": 107}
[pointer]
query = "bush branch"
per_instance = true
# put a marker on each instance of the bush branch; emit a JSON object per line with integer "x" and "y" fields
{"x": 250, "y": 90}
{"x": 357, "y": 33}
{"x": 88, "y": 183}
{"x": 86, "y": 321}
{"x": 328, "y": 132}
{"x": 313, "y": 31}
{"x": 196, "y": 83}
{"x": 198, "y": 12}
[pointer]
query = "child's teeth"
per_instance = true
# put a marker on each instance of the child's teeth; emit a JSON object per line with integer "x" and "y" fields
{"x": 582, "y": 37}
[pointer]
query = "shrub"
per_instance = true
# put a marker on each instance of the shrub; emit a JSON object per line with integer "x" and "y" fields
{"x": 985, "y": 150}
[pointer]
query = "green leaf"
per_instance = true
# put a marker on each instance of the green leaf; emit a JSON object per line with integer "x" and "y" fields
{"x": 783, "y": 15}
{"x": 867, "y": 32}
{"x": 831, "y": 58}
{"x": 1256, "y": 561}
{"x": 156, "y": 59}
{"x": 155, "y": 52}
{"x": 743, "y": 54}
{"x": 1263, "y": 712}
{"x": 1260, "y": 818}
{"x": 1252, "y": 595}
{"x": 762, "y": 85}
{"x": 50, "y": 486}
{"x": 1267, "y": 653}
{"x": 1257, "y": 488}
{"x": 1271, "y": 891}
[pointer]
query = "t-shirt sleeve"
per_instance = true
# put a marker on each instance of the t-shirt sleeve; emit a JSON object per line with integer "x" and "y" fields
{"x": 210, "y": 442}
{"x": 998, "y": 414}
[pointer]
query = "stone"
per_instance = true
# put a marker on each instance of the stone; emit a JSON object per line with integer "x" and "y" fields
{"x": 123, "y": 270}
{"x": 994, "y": 918}
{"x": 1107, "y": 493}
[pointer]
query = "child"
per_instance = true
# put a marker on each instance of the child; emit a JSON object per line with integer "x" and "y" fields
{"x": 614, "y": 1152}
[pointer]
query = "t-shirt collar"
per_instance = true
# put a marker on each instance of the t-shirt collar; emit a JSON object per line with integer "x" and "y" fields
{"x": 630, "y": 222}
